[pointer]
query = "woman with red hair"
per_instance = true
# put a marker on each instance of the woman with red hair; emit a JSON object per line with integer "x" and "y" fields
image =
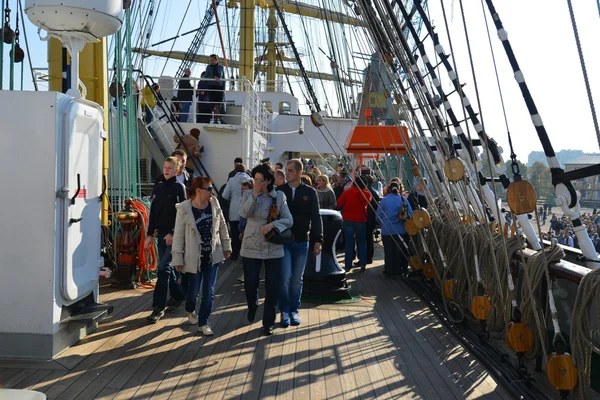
{"x": 201, "y": 242}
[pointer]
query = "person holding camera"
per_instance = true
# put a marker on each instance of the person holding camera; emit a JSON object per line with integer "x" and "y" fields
{"x": 258, "y": 206}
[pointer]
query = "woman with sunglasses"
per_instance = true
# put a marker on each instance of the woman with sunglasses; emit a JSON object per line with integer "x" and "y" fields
{"x": 200, "y": 243}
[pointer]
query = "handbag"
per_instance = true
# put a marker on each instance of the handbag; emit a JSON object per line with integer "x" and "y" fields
{"x": 403, "y": 214}
{"x": 275, "y": 236}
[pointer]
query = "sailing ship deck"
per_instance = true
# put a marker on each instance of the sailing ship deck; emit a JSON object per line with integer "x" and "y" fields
{"x": 388, "y": 345}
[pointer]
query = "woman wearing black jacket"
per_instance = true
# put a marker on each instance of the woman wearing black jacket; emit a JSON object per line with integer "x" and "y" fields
{"x": 166, "y": 194}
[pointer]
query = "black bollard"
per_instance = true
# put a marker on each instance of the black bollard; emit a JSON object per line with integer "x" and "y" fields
{"x": 329, "y": 276}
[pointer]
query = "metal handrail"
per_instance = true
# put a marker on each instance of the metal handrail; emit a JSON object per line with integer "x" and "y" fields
{"x": 174, "y": 124}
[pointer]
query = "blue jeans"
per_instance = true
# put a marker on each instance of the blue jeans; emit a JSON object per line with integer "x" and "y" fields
{"x": 272, "y": 279}
{"x": 167, "y": 277}
{"x": 207, "y": 277}
{"x": 294, "y": 261}
{"x": 352, "y": 230}
{"x": 185, "y": 111}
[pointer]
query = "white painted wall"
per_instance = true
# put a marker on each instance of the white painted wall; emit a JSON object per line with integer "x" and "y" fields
{"x": 335, "y": 131}
{"x": 27, "y": 212}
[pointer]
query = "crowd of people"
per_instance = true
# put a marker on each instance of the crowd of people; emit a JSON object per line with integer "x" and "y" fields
{"x": 562, "y": 229}
{"x": 209, "y": 94}
{"x": 196, "y": 231}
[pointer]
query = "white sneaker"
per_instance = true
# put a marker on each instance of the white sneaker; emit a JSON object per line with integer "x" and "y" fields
{"x": 193, "y": 318}
{"x": 206, "y": 331}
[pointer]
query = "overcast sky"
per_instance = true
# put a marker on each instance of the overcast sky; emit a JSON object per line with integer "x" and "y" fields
{"x": 542, "y": 38}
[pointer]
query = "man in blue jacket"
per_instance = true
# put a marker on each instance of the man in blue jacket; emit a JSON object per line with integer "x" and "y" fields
{"x": 303, "y": 203}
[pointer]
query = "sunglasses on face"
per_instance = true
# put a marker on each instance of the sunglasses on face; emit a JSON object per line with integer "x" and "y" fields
{"x": 208, "y": 188}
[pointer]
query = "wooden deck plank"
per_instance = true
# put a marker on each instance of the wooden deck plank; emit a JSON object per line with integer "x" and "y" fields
{"x": 354, "y": 353}
{"x": 221, "y": 344}
{"x": 468, "y": 371}
{"x": 257, "y": 368}
{"x": 318, "y": 390}
{"x": 405, "y": 364}
{"x": 412, "y": 311}
{"x": 194, "y": 366}
{"x": 92, "y": 366}
{"x": 440, "y": 340}
{"x": 333, "y": 385}
{"x": 285, "y": 383}
{"x": 163, "y": 329}
{"x": 301, "y": 389}
{"x": 17, "y": 378}
{"x": 33, "y": 379}
{"x": 107, "y": 394}
{"x": 229, "y": 364}
{"x": 130, "y": 380}
{"x": 145, "y": 369}
{"x": 90, "y": 350}
{"x": 412, "y": 360}
{"x": 439, "y": 374}
{"x": 384, "y": 351}
{"x": 344, "y": 362}
{"x": 189, "y": 345}
{"x": 268, "y": 388}
{"x": 243, "y": 367}
{"x": 48, "y": 381}
{"x": 6, "y": 374}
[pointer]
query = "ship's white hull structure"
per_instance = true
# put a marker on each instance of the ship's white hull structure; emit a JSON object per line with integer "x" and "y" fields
{"x": 50, "y": 247}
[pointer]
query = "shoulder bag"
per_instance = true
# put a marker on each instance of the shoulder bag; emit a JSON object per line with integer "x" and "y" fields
{"x": 403, "y": 214}
{"x": 274, "y": 236}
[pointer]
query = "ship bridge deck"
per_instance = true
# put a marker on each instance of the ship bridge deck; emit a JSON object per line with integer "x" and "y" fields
{"x": 388, "y": 345}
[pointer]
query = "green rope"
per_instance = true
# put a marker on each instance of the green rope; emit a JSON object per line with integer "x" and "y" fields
{"x": 131, "y": 111}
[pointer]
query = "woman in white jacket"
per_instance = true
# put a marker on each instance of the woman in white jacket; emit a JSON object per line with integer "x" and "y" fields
{"x": 200, "y": 243}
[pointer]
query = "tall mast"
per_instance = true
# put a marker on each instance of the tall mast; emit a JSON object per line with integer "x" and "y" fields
{"x": 247, "y": 39}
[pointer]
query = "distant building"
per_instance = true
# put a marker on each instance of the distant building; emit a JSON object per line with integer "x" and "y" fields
{"x": 590, "y": 186}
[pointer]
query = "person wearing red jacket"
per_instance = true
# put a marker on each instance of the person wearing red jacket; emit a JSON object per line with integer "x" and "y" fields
{"x": 354, "y": 203}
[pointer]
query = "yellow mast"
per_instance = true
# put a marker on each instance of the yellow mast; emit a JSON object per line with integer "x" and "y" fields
{"x": 94, "y": 75}
{"x": 247, "y": 40}
{"x": 246, "y": 64}
{"x": 271, "y": 51}
{"x": 202, "y": 59}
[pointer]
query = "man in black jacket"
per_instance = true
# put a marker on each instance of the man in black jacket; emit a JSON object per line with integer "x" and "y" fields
{"x": 303, "y": 203}
{"x": 166, "y": 194}
{"x": 238, "y": 160}
{"x": 185, "y": 94}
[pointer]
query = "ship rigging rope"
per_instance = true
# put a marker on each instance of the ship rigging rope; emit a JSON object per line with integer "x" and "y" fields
{"x": 543, "y": 262}
{"x": 544, "y": 265}
{"x": 176, "y": 36}
{"x": 584, "y": 71}
{"x": 214, "y": 6}
{"x": 588, "y": 299}
{"x": 35, "y": 85}
{"x": 454, "y": 247}
{"x": 512, "y": 306}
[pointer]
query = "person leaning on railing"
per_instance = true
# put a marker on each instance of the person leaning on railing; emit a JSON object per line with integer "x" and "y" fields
{"x": 149, "y": 102}
{"x": 204, "y": 108}
{"x": 215, "y": 73}
{"x": 185, "y": 95}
